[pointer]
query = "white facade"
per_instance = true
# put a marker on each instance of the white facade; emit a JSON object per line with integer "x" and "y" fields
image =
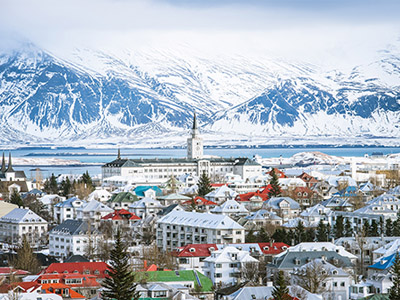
{"x": 93, "y": 211}
{"x": 195, "y": 143}
{"x": 67, "y": 210}
{"x": 145, "y": 207}
{"x": 21, "y": 222}
{"x": 225, "y": 265}
{"x": 179, "y": 228}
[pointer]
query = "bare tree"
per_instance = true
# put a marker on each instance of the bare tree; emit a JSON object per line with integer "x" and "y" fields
{"x": 298, "y": 292}
{"x": 361, "y": 240}
{"x": 162, "y": 259}
{"x": 312, "y": 277}
{"x": 250, "y": 273}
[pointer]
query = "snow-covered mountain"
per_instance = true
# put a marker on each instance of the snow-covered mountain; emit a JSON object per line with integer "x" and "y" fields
{"x": 148, "y": 97}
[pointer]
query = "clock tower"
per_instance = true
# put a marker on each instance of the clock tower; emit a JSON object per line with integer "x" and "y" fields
{"x": 194, "y": 142}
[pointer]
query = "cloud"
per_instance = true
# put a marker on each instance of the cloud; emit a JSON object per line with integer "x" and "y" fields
{"x": 296, "y": 28}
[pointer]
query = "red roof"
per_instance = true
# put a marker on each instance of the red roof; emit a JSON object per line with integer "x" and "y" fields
{"x": 262, "y": 193}
{"x": 200, "y": 201}
{"x": 79, "y": 267}
{"x": 218, "y": 184}
{"x": 278, "y": 173}
{"x": 51, "y": 287}
{"x": 120, "y": 214}
{"x": 273, "y": 249}
{"x": 87, "y": 280}
{"x": 5, "y": 271}
{"x": 195, "y": 250}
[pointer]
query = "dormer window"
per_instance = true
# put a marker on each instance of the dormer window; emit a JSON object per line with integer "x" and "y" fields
{"x": 192, "y": 250}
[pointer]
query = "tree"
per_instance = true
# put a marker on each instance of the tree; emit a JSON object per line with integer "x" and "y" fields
{"x": 120, "y": 282}
{"x": 312, "y": 277}
{"x": 250, "y": 273}
{"x": 275, "y": 189}
{"x": 299, "y": 233}
{"x": 66, "y": 187}
{"x": 322, "y": 232}
{"x": 204, "y": 185}
{"x": 389, "y": 227}
{"x": 394, "y": 291}
{"x": 373, "y": 229}
{"x": 338, "y": 228}
{"x": 16, "y": 198}
{"x": 25, "y": 259}
{"x": 280, "y": 290}
{"x": 396, "y": 226}
{"x": 87, "y": 179}
{"x": 348, "y": 230}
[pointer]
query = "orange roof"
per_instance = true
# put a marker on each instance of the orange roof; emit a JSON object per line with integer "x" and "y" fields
{"x": 79, "y": 267}
{"x": 199, "y": 201}
{"x": 50, "y": 287}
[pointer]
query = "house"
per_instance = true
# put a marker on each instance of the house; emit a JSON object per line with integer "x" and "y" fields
{"x": 173, "y": 199}
{"x": 284, "y": 207}
{"x": 148, "y": 191}
{"x": 101, "y": 195}
{"x": 6, "y": 207}
{"x": 19, "y": 222}
{"x": 221, "y": 194}
{"x": 92, "y": 211}
{"x": 122, "y": 200}
{"x": 230, "y": 208}
{"x": 308, "y": 179}
{"x": 145, "y": 207}
{"x": 30, "y": 296}
{"x": 290, "y": 184}
{"x": 338, "y": 203}
{"x": 303, "y": 195}
{"x": 67, "y": 210}
{"x": 73, "y": 237}
{"x": 98, "y": 269}
{"x": 313, "y": 215}
{"x": 278, "y": 173}
{"x": 261, "y": 219}
{"x": 120, "y": 217}
{"x": 179, "y": 228}
{"x": 254, "y": 200}
{"x": 334, "y": 280}
{"x": 200, "y": 204}
{"x": 225, "y": 265}
{"x": 161, "y": 290}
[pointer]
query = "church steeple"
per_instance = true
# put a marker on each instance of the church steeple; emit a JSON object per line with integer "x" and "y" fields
{"x": 10, "y": 168}
{"x": 119, "y": 153}
{"x": 3, "y": 165}
{"x": 194, "y": 122}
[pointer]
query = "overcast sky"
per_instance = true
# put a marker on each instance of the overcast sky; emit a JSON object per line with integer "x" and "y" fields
{"x": 298, "y": 28}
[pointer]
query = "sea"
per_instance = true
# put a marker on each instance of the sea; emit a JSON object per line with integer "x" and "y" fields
{"x": 92, "y": 159}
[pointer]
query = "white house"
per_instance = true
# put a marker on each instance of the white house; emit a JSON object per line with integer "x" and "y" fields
{"x": 145, "y": 207}
{"x": 21, "y": 221}
{"x": 225, "y": 265}
{"x": 101, "y": 195}
{"x": 221, "y": 194}
{"x": 179, "y": 228}
{"x": 230, "y": 208}
{"x": 67, "y": 210}
{"x": 93, "y": 211}
{"x": 72, "y": 237}
{"x": 334, "y": 280}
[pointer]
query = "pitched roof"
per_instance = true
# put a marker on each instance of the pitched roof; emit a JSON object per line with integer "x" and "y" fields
{"x": 22, "y": 215}
{"x": 73, "y": 227}
{"x": 199, "y": 201}
{"x": 78, "y": 267}
{"x": 123, "y": 197}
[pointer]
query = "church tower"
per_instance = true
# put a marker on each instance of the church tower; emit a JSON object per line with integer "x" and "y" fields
{"x": 194, "y": 142}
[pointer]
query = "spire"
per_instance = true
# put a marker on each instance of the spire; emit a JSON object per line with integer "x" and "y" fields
{"x": 3, "y": 164}
{"x": 194, "y": 121}
{"x": 119, "y": 153}
{"x": 10, "y": 168}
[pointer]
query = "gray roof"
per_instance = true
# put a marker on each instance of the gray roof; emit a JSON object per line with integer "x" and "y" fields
{"x": 288, "y": 260}
{"x": 73, "y": 227}
{"x": 140, "y": 162}
{"x": 22, "y": 215}
{"x": 275, "y": 201}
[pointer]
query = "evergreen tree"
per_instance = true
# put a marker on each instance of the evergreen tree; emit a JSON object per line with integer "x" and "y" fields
{"x": 16, "y": 198}
{"x": 280, "y": 236}
{"x": 348, "y": 230}
{"x": 66, "y": 187}
{"x": 396, "y": 226}
{"x": 322, "y": 232}
{"x": 338, "y": 228}
{"x": 394, "y": 291}
{"x": 381, "y": 230}
{"x": 299, "y": 233}
{"x": 262, "y": 236}
{"x": 389, "y": 228}
{"x": 250, "y": 237}
{"x": 87, "y": 179}
{"x": 120, "y": 284}
{"x": 204, "y": 185}
{"x": 373, "y": 229}
{"x": 280, "y": 290}
{"x": 25, "y": 259}
{"x": 275, "y": 190}
{"x": 310, "y": 235}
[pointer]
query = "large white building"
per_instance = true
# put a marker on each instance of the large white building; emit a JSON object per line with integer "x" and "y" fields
{"x": 72, "y": 237}
{"x": 225, "y": 265}
{"x": 159, "y": 170}
{"x": 19, "y": 222}
{"x": 179, "y": 228}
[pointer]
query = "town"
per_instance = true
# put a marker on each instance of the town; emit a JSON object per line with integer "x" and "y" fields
{"x": 203, "y": 227}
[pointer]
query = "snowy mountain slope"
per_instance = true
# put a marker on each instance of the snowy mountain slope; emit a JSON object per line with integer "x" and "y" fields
{"x": 94, "y": 96}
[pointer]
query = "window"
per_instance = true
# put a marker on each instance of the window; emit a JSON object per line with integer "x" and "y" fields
{"x": 218, "y": 275}
{"x": 335, "y": 284}
{"x": 342, "y": 283}
{"x": 218, "y": 265}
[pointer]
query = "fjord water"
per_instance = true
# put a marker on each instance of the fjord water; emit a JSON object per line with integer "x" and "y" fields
{"x": 92, "y": 159}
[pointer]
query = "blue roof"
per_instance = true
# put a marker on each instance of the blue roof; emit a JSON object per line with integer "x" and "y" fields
{"x": 68, "y": 202}
{"x": 384, "y": 263}
{"x": 139, "y": 191}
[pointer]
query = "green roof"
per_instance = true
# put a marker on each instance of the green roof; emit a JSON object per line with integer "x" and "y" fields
{"x": 123, "y": 197}
{"x": 176, "y": 276}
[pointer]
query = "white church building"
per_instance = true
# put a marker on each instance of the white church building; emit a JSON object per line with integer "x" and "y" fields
{"x": 159, "y": 170}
